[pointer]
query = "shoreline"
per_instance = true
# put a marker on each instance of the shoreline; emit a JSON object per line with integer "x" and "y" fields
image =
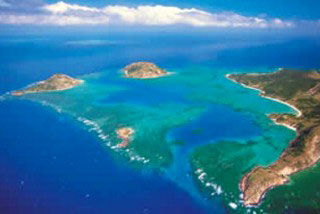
{"x": 283, "y": 175}
{"x": 298, "y": 112}
{"x": 244, "y": 179}
{"x": 154, "y": 77}
{"x": 286, "y": 125}
{"x": 255, "y": 205}
{"x": 273, "y": 186}
{"x": 34, "y": 92}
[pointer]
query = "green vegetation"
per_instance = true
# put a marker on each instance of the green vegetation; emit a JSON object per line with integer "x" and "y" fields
{"x": 298, "y": 88}
{"x": 54, "y": 83}
{"x": 285, "y": 83}
{"x": 143, "y": 70}
{"x": 302, "y": 90}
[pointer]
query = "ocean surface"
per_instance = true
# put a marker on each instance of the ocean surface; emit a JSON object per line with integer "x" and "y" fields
{"x": 58, "y": 150}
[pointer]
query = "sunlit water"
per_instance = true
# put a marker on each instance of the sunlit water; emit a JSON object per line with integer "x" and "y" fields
{"x": 59, "y": 153}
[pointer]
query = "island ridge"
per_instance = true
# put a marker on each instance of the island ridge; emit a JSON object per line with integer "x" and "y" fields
{"x": 57, "y": 82}
{"x": 143, "y": 70}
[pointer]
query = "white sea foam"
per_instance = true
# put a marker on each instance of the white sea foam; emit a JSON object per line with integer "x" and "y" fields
{"x": 282, "y": 124}
{"x": 241, "y": 195}
{"x": 233, "y": 205}
{"x": 201, "y": 176}
{"x": 94, "y": 127}
{"x": 217, "y": 189}
{"x": 133, "y": 156}
{"x": 55, "y": 107}
{"x": 198, "y": 171}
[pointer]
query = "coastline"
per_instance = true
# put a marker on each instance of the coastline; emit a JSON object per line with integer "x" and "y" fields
{"x": 243, "y": 85}
{"x": 282, "y": 124}
{"x": 34, "y": 92}
{"x": 244, "y": 179}
{"x": 154, "y": 77}
{"x": 280, "y": 176}
{"x": 286, "y": 181}
{"x": 298, "y": 114}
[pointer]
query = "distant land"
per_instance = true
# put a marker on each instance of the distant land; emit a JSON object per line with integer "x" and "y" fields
{"x": 143, "y": 70}
{"x": 57, "y": 82}
{"x": 298, "y": 89}
{"x": 301, "y": 90}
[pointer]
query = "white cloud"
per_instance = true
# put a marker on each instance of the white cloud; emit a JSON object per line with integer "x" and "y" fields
{"x": 62, "y": 7}
{"x": 62, "y": 20}
{"x": 62, "y": 13}
{"x": 158, "y": 15}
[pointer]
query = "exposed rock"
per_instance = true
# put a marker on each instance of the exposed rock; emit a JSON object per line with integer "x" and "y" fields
{"x": 125, "y": 134}
{"x": 143, "y": 70}
{"x": 301, "y": 90}
{"x": 57, "y": 82}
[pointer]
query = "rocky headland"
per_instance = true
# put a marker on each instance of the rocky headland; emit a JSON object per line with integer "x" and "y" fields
{"x": 301, "y": 90}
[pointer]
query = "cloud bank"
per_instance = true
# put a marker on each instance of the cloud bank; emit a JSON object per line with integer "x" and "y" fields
{"x": 64, "y": 14}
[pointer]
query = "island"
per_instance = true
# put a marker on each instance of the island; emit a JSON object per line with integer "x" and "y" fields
{"x": 301, "y": 90}
{"x": 56, "y": 82}
{"x": 125, "y": 134}
{"x": 143, "y": 70}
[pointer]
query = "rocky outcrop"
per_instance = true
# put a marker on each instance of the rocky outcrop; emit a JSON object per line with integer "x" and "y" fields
{"x": 57, "y": 82}
{"x": 125, "y": 134}
{"x": 302, "y": 153}
{"x": 301, "y": 90}
{"x": 143, "y": 70}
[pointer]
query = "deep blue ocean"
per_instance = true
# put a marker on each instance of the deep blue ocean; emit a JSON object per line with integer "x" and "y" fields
{"x": 49, "y": 163}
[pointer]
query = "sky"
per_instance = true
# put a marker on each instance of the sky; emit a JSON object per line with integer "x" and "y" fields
{"x": 283, "y": 15}
{"x": 304, "y": 9}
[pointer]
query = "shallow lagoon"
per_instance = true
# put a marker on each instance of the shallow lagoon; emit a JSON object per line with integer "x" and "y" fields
{"x": 59, "y": 150}
{"x": 185, "y": 107}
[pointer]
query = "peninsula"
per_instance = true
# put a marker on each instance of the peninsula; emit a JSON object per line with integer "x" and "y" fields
{"x": 301, "y": 90}
{"x": 57, "y": 82}
{"x": 143, "y": 70}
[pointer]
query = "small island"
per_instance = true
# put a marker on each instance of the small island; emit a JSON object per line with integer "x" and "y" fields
{"x": 143, "y": 70}
{"x": 125, "y": 134}
{"x": 300, "y": 90}
{"x": 57, "y": 82}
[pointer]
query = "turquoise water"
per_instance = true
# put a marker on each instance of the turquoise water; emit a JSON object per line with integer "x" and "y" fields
{"x": 192, "y": 106}
{"x": 60, "y": 153}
